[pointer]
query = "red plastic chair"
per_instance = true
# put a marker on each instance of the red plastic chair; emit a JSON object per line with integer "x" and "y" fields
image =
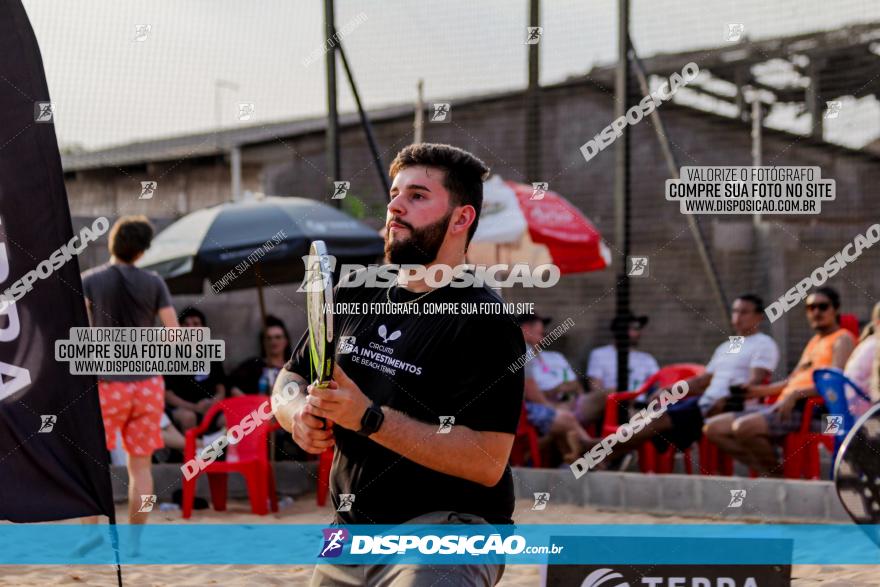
{"x": 801, "y": 448}
{"x": 649, "y": 460}
{"x": 851, "y": 323}
{"x": 714, "y": 461}
{"x": 526, "y": 439}
{"x": 249, "y": 457}
{"x": 325, "y": 463}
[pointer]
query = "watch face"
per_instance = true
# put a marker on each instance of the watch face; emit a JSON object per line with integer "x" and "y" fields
{"x": 372, "y": 419}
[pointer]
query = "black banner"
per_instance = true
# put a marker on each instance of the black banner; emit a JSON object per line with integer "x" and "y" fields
{"x": 669, "y": 576}
{"x": 53, "y": 458}
{"x": 638, "y": 552}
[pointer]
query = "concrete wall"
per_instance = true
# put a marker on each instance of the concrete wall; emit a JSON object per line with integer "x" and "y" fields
{"x": 766, "y": 500}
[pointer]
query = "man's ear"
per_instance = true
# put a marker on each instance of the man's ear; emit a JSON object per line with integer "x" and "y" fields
{"x": 466, "y": 216}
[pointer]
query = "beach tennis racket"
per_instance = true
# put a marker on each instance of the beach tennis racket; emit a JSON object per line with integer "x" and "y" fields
{"x": 857, "y": 471}
{"x": 319, "y": 307}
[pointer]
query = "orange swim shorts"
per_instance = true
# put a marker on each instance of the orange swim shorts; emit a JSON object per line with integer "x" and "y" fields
{"x": 135, "y": 408}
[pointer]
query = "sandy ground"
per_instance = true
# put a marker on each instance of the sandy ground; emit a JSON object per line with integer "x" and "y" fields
{"x": 304, "y": 511}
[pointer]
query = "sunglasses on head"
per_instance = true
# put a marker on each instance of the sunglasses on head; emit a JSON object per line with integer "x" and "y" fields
{"x": 821, "y": 306}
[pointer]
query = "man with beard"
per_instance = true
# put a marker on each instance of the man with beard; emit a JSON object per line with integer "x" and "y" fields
{"x": 422, "y": 408}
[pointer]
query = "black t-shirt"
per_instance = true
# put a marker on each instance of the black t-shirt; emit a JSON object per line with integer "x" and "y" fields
{"x": 427, "y": 367}
{"x": 247, "y": 375}
{"x": 195, "y": 388}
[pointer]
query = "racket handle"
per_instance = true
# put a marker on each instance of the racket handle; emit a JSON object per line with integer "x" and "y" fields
{"x": 321, "y": 384}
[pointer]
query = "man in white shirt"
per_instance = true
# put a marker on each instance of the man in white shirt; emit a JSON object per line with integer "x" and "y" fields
{"x": 602, "y": 369}
{"x": 860, "y": 365}
{"x": 554, "y": 376}
{"x": 602, "y": 365}
{"x": 747, "y": 358}
{"x": 861, "y": 361}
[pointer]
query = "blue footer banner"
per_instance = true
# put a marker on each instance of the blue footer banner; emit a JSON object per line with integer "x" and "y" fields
{"x": 722, "y": 544}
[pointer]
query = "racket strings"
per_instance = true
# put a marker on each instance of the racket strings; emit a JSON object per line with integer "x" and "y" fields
{"x": 858, "y": 478}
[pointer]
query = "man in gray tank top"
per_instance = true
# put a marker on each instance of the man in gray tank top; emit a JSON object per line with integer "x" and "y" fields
{"x": 122, "y": 295}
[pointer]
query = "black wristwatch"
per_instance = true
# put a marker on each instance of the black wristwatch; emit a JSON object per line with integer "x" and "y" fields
{"x": 372, "y": 420}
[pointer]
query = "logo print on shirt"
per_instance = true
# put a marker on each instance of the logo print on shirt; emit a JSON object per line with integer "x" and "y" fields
{"x": 346, "y": 344}
{"x": 386, "y": 338}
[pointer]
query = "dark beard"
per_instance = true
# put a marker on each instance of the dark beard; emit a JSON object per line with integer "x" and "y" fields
{"x": 421, "y": 247}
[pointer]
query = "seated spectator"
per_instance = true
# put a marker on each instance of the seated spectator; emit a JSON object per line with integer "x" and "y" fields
{"x": 750, "y": 360}
{"x": 602, "y": 368}
{"x": 189, "y": 397}
{"x": 874, "y": 394}
{"x": 550, "y": 390}
{"x": 750, "y": 436}
{"x": 257, "y": 374}
{"x": 172, "y": 437}
{"x": 858, "y": 367}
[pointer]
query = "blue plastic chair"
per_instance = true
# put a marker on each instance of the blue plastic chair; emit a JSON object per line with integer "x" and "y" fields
{"x": 831, "y": 385}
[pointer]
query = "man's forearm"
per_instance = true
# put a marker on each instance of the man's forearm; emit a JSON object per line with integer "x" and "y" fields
{"x": 766, "y": 390}
{"x": 288, "y": 397}
{"x": 533, "y": 394}
{"x": 573, "y": 387}
{"x": 459, "y": 453}
{"x": 537, "y": 397}
{"x": 176, "y": 401}
{"x": 697, "y": 385}
{"x": 758, "y": 376}
{"x": 802, "y": 393}
{"x": 595, "y": 384}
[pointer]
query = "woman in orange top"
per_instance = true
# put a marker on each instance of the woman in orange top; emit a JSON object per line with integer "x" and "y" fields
{"x": 750, "y": 436}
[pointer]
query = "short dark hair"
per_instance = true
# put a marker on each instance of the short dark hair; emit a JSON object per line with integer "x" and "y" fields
{"x": 754, "y": 299}
{"x": 465, "y": 173}
{"x": 189, "y": 312}
{"x": 830, "y": 293}
{"x": 129, "y": 237}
